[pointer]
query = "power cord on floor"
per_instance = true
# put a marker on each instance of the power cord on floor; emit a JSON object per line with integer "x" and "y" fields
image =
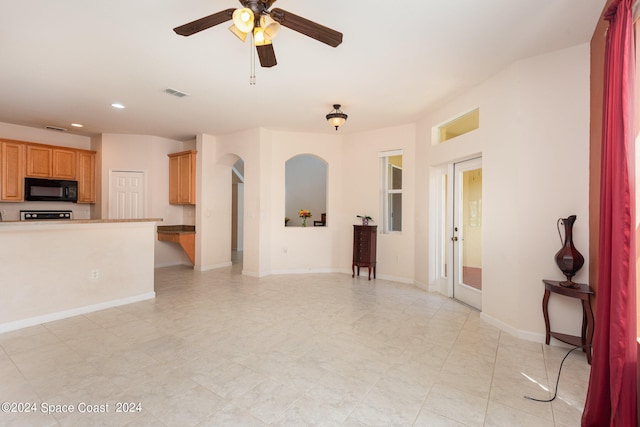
{"x": 555, "y": 394}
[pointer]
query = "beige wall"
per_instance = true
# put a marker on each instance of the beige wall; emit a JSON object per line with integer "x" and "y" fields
{"x": 146, "y": 154}
{"x": 533, "y": 137}
{"x": 361, "y": 192}
{"x": 534, "y": 142}
{"x": 47, "y": 269}
{"x": 269, "y": 247}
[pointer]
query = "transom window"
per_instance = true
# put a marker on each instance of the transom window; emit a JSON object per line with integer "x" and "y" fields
{"x": 458, "y": 126}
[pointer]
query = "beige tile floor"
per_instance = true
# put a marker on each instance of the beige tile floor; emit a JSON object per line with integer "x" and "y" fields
{"x": 220, "y": 349}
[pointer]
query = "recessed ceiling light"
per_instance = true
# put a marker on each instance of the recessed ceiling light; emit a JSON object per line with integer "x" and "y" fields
{"x": 76, "y": 125}
{"x": 117, "y": 105}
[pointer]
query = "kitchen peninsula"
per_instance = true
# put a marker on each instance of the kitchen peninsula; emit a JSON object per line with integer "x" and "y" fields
{"x": 56, "y": 269}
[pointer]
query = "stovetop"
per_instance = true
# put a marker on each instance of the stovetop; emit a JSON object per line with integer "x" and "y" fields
{"x": 45, "y": 215}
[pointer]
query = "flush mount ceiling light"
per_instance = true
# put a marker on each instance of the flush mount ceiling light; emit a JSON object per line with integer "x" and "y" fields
{"x": 117, "y": 105}
{"x": 336, "y": 118}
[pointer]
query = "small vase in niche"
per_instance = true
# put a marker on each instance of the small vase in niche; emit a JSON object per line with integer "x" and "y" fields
{"x": 568, "y": 258}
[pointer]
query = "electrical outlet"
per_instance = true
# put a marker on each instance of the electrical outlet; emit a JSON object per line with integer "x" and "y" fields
{"x": 95, "y": 274}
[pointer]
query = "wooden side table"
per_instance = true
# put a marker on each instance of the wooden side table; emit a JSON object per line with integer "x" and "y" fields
{"x": 583, "y": 293}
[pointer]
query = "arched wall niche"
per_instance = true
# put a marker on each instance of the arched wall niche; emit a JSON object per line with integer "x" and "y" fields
{"x": 305, "y": 189}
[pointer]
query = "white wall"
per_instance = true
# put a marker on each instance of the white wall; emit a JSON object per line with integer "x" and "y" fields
{"x": 56, "y": 270}
{"x": 362, "y": 196}
{"x": 308, "y": 249}
{"x": 213, "y": 206}
{"x": 146, "y": 154}
{"x": 534, "y": 141}
{"x": 353, "y": 188}
{"x": 44, "y": 136}
{"x": 533, "y": 137}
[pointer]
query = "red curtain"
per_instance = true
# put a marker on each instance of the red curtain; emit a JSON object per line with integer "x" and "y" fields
{"x": 611, "y": 398}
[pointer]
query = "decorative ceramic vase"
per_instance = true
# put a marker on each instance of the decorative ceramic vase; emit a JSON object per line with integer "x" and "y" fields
{"x": 568, "y": 258}
{"x": 365, "y": 221}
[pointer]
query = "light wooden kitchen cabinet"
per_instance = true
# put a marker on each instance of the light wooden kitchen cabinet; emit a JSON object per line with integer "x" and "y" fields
{"x": 64, "y": 163}
{"x": 20, "y": 159}
{"x": 86, "y": 176}
{"x": 50, "y": 162}
{"x": 39, "y": 161}
{"x": 182, "y": 178}
{"x": 12, "y": 161}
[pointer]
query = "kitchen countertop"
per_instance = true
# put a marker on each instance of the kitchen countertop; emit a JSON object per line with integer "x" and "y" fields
{"x": 177, "y": 229}
{"x": 82, "y": 221}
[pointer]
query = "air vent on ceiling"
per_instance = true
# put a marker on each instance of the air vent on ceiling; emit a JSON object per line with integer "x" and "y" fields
{"x": 59, "y": 129}
{"x": 175, "y": 93}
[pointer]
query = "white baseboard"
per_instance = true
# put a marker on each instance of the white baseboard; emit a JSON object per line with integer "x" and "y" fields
{"x": 525, "y": 335}
{"x": 38, "y": 320}
{"x": 212, "y": 267}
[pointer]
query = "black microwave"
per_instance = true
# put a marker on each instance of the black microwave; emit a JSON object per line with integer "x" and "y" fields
{"x": 50, "y": 190}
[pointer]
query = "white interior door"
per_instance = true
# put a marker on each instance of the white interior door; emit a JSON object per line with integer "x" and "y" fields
{"x": 126, "y": 195}
{"x": 466, "y": 232}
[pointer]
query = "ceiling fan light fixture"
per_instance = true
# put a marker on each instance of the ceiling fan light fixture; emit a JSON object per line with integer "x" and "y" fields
{"x": 239, "y": 34}
{"x": 271, "y": 27}
{"x": 259, "y": 37}
{"x": 243, "y": 19}
{"x": 336, "y": 117}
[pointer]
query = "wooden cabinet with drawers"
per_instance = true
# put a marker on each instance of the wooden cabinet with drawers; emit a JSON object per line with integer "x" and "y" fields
{"x": 182, "y": 178}
{"x": 364, "y": 249}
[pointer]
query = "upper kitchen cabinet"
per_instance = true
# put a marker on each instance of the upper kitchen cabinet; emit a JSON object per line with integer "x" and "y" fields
{"x": 12, "y": 171}
{"x": 86, "y": 176}
{"x": 51, "y": 162}
{"x": 182, "y": 178}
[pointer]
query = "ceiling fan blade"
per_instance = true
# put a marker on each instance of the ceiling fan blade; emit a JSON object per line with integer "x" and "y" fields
{"x": 204, "y": 23}
{"x": 267, "y": 55}
{"x": 308, "y": 28}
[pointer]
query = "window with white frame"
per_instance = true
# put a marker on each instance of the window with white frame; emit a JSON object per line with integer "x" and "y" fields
{"x": 391, "y": 180}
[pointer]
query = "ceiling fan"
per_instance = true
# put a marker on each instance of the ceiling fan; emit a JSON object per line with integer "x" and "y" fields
{"x": 255, "y": 18}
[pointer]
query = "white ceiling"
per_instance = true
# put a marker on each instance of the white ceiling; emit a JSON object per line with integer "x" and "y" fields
{"x": 67, "y": 61}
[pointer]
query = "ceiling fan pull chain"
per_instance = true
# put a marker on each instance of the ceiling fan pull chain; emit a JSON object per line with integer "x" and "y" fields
{"x": 252, "y": 65}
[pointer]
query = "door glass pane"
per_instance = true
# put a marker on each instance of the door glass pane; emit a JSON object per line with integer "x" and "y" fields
{"x": 472, "y": 228}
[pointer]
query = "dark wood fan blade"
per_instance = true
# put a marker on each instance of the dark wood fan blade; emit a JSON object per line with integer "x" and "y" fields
{"x": 267, "y": 55}
{"x": 204, "y": 23}
{"x": 308, "y": 28}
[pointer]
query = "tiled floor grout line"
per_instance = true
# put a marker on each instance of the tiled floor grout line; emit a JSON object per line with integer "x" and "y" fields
{"x": 364, "y": 352}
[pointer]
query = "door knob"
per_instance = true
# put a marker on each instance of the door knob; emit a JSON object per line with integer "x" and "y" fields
{"x": 454, "y": 239}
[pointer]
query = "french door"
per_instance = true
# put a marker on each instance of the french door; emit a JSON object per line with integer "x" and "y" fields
{"x": 464, "y": 231}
